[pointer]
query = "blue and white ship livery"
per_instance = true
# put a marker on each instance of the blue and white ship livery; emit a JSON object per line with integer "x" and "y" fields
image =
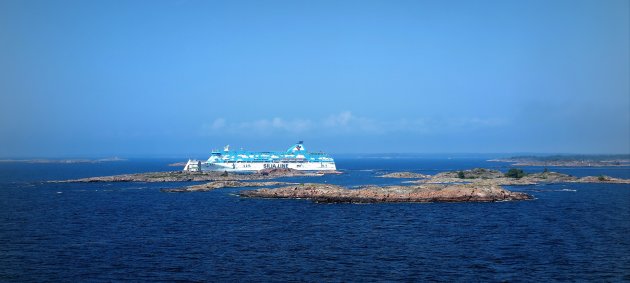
{"x": 296, "y": 157}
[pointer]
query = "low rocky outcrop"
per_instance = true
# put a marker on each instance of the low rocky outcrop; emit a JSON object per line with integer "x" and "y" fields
{"x": 602, "y": 179}
{"x": 403, "y": 175}
{"x": 182, "y": 176}
{"x": 221, "y": 184}
{"x": 549, "y": 177}
{"x": 476, "y": 173}
{"x": 477, "y": 176}
{"x": 178, "y": 164}
{"x": 288, "y": 172}
{"x": 614, "y": 160}
{"x": 464, "y": 176}
{"x": 495, "y": 177}
{"x": 170, "y": 176}
{"x": 326, "y": 193}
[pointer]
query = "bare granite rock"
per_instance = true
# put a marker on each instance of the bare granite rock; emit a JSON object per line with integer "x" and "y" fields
{"x": 288, "y": 172}
{"x": 325, "y": 193}
{"x": 602, "y": 179}
{"x": 178, "y": 164}
{"x": 475, "y": 176}
{"x": 182, "y": 176}
{"x": 494, "y": 177}
{"x": 549, "y": 177}
{"x": 477, "y": 173}
{"x": 410, "y": 175}
{"x": 170, "y": 176}
{"x": 221, "y": 184}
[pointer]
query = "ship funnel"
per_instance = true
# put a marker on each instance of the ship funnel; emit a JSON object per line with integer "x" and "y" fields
{"x": 297, "y": 147}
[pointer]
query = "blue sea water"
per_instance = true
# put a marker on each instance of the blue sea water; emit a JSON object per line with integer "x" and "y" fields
{"x": 132, "y": 231}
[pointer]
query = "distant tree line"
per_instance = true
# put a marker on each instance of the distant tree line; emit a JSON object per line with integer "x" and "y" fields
{"x": 574, "y": 157}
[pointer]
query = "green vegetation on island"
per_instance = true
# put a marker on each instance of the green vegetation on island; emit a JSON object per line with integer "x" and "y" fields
{"x": 473, "y": 185}
{"x": 515, "y": 173}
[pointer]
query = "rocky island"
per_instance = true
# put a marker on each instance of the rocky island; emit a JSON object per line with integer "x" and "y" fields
{"x": 474, "y": 185}
{"x": 326, "y": 193}
{"x": 495, "y": 177}
{"x": 404, "y": 175}
{"x": 222, "y": 184}
{"x": 183, "y": 176}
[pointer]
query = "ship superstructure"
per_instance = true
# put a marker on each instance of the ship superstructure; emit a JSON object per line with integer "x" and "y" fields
{"x": 296, "y": 157}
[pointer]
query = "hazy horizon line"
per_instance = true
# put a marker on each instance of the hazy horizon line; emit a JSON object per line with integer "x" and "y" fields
{"x": 396, "y": 154}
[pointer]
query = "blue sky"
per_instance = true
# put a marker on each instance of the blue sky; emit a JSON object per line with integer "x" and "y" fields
{"x": 133, "y": 78}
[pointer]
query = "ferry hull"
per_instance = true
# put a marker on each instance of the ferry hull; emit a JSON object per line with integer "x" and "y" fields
{"x": 296, "y": 157}
{"x": 256, "y": 166}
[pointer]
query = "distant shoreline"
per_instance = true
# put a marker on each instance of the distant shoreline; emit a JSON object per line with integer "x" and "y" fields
{"x": 61, "y": 161}
{"x": 561, "y": 163}
{"x": 568, "y": 160}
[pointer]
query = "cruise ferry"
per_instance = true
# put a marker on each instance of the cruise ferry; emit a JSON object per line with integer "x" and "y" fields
{"x": 296, "y": 157}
